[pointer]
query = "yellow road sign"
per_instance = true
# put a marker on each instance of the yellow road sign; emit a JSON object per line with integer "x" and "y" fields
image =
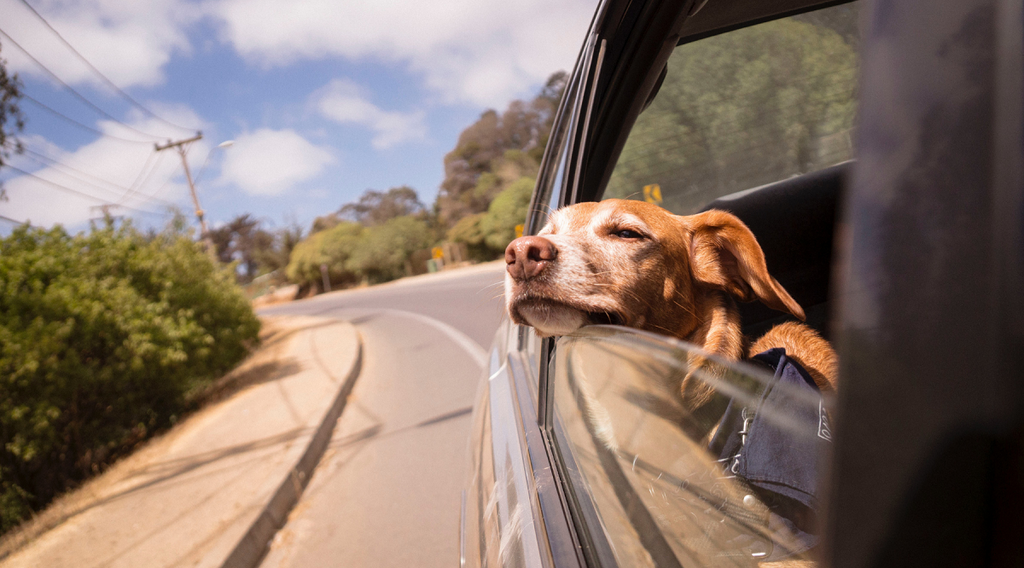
{"x": 652, "y": 193}
{"x": 437, "y": 252}
{"x": 519, "y": 230}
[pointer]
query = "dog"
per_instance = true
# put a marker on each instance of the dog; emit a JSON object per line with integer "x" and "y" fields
{"x": 635, "y": 264}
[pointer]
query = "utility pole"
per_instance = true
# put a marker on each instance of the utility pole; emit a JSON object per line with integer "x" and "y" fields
{"x": 105, "y": 208}
{"x": 180, "y": 146}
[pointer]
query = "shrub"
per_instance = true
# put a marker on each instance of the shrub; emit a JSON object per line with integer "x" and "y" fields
{"x": 506, "y": 211}
{"x": 467, "y": 231}
{"x": 102, "y": 336}
{"x": 381, "y": 254}
{"x": 332, "y": 247}
{"x": 487, "y": 234}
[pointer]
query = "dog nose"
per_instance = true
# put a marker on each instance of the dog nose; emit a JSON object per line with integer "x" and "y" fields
{"x": 527, "y": 256}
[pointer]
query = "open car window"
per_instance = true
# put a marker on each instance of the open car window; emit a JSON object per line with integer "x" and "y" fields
{"x": 744, "y": 109}
{"x": 673, "y": 487}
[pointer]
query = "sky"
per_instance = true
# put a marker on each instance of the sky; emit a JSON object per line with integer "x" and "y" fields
{"x": 321, "y": 99}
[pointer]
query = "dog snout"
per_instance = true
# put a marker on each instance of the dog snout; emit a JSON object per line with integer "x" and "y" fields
{"x": 528, "y": 256}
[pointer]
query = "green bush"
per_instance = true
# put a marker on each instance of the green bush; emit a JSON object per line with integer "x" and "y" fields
{"x": 332, "y": 247}
{"x": 506, "y": 211}
{"x": 467, "y": 231}
{"x": 487, "y": 234}
{"x": 102, "y": 336}
{"x": 381, "y": 254}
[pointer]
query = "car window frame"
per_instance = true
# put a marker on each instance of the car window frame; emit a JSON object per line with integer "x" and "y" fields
{"x": 568, "y": 544}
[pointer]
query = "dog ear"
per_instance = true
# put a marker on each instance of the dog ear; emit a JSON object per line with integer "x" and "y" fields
{"x": 724, "y": 254}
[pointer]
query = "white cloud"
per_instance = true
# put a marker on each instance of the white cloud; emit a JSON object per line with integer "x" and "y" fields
{"x": 102, "y": 171}
{"x": 345, "y": 102}
{"x": 127, "y": 40}
{"x": 479, "y": 51}
{"x": 269, "y": 162}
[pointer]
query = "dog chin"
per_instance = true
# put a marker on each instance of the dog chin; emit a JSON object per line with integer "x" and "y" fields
{"x": 552, "y": 319}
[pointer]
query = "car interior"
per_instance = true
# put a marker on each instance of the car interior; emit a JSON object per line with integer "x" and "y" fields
{"x": 794, "y": 222}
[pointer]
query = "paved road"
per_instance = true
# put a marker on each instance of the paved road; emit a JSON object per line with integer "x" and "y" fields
{"x": 470, "y": 300}
{"x": 387, "y": 492}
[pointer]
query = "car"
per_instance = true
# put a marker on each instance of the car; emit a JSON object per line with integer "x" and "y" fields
{"x": 876, "y": 150}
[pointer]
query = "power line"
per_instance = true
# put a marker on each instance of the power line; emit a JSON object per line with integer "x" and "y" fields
{"x": 56, "y": 162}
{"x": 76, "y": 192}
{"x": 140, "y": 182}
{"x": 138, "y": 177}
{"x": 44, "y": 164}
{"x": 74, "y": 122}
{"x": 80, "y": 96}
{"x": 125, "y": 95}
{"x": 17, "y": 222}
{"x": 123, "y": 194}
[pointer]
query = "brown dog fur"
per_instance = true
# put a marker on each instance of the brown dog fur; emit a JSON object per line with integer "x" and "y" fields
{"x": 636, "y": 264}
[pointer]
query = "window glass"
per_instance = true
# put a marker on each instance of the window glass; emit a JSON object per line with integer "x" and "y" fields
{"x": 547, "y": 198}
{"x": 530, "y": 345}
{"x": 678, "y": 487}
{"x": 556, "y": 189}
{"x": 744, "y": 109}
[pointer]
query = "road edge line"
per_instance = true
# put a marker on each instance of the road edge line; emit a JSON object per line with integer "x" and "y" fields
{"x": 255, "y": 543}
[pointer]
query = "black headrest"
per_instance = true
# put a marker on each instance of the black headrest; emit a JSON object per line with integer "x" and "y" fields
{"x": 794, "y": 221}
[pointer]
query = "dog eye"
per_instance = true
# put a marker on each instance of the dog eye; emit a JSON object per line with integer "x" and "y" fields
{"x": 628, "y": 234}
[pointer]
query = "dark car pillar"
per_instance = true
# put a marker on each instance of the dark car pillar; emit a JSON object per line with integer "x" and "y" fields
{"x": 928, "y": 455}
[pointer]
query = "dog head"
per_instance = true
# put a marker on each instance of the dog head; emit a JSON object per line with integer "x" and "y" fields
{"x": 635, "y": 264}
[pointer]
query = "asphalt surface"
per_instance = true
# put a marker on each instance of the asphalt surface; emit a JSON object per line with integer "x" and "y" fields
{"x": 387, "y": 491}
{"x": 469, "y": 300}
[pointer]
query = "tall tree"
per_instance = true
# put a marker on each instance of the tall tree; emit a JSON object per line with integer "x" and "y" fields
{"x": 277, "y": 255}
{"x": 378, "y": 207}
{"x": 256, "y": 249}
{"x": 10, "y": 94}
{"x": 513, "y": 139}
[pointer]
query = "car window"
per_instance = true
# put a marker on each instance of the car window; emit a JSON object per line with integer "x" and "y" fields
{"x": 744, "y": 109}
{"x": 547, "y": 194}
{"x": 530, "y": 346}
{"x": 673, "y": 487}
{"x": 547, "y": 198}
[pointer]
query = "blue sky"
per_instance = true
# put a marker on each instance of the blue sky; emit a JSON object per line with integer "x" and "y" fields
{"x": 323, "y": 99}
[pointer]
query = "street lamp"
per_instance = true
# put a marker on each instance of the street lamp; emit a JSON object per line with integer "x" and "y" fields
{"x": 206, "y": 162}
{"x": 180, "y": 146}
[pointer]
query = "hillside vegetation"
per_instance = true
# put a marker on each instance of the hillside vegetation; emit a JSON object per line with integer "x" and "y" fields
{"x": 103, "y": 336}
